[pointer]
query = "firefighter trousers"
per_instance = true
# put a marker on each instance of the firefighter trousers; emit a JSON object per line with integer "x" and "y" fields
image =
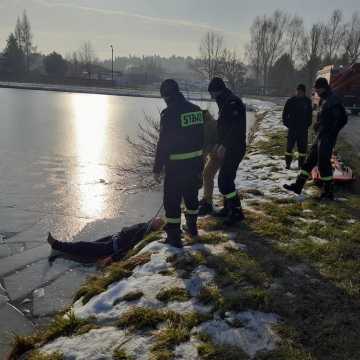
{"x": 320, "y": 155}
{"x": 177, "y": 188}
{"x": 298, "y": 138}
{"x": 227, "y": 174}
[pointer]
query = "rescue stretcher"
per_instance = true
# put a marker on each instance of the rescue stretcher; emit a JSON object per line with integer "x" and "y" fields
{"x": 341, "y": 172}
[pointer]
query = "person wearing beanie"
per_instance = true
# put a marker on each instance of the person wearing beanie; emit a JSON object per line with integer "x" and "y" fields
{"x": 231, "y": 147}
{"x": 180, "y": 153}
{"x": 331, "y": 119}
{"x": 297, "y": 117}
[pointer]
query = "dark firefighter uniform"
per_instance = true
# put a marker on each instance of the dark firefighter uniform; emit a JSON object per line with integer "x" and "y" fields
{"x": 232, "y": 136}
{"x": 331, "y": 119}
{"x": 180, "y": 151}
{"x": 297, "y": 117}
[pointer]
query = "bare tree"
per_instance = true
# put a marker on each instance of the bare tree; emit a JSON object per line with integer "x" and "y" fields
{"x": 142, "y": 152}
{"x": 255, "y": 49}
{"x": 275, "y": 41}
{"x": 333, "y": 34}
{"x": 311, "y": 49}
{"x": 267, "y": 41}
{"x": 294, "y": 32}
{"x": 352, "y": 39}
{"x": 19, "y": 33}
{"x": 232, "y": 69}
{"x": 24, "y": 37}
{"x": 211, "y": 51}
{"x": 87, "y": 57}
{"x": 311, "y": 45}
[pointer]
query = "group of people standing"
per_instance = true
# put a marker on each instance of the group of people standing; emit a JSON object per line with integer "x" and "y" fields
{"x": 190, "y": 138}
{"x": 331, "y": 118}
{"x": 193, "y": 147}
{"x": 187, "y": 136}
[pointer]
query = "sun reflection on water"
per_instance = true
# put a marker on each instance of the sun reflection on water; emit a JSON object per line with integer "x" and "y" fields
{"x": 91, "y": 114}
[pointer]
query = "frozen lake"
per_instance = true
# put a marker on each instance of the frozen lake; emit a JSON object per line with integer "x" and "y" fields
{"x": 59, "y": 157}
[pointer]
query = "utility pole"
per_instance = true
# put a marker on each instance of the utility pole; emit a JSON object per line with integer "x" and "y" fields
{"x": 112, "y": 65}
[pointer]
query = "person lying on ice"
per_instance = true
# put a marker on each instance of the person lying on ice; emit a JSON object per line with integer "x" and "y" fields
{"x": 112, "y": 247}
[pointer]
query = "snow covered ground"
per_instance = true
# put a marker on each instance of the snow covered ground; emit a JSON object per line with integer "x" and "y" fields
{"x": 255, "y": 334}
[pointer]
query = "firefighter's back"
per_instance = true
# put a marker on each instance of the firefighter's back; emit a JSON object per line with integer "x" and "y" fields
{"x": 185, "y": 125}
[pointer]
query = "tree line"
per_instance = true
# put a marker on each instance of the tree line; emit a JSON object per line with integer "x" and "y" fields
{"x": 20, "y": 54}
{"x": 280, "y": 52}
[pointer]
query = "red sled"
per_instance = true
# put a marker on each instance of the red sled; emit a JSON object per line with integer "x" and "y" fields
{"x": 341, "y": 173}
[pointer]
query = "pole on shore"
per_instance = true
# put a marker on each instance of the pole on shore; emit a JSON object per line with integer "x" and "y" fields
{"x": 112, "y": 65}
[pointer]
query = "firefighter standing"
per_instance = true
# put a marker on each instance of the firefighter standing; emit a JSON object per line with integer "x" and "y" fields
{"x": 180, "y": 151}
{"x": 331, "y": 118}
{"x": 231, "y": 147}
{"x": 297, "y": 117}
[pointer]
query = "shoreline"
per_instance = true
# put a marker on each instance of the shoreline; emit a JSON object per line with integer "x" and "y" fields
{"x": 195, "y": 96}
{"x": 276, "y": 278}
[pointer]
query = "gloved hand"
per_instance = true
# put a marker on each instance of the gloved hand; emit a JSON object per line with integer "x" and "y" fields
{"x": 157, "y": 178}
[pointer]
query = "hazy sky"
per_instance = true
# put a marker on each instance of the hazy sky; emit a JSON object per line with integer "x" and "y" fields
{"x": 139, "y": 27}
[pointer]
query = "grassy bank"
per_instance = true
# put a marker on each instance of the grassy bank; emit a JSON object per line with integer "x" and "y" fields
{"x": 295, "y": 260}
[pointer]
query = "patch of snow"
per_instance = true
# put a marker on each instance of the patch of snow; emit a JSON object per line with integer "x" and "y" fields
{"x": 201, "y": 277}
{"x": 145, "y": 278}
{"x": 307, "y": 211}
{"x": 102, "y": 306}
{"x": 99, "y": 345}
{"x": 188, "y": 350}
{"x": 318, "y": 240}
{"x": 306, "y": 221}
{"x": 255, "y": 335}
{"x": 218, "y": 249}
{"x": 187, "y": 307}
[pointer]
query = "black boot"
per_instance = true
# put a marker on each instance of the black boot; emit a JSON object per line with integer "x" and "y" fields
{"x": 205, "y": 208}
{"x": 297, "y": 186}
{"x": 288, "y": 161}
{"x": 328, "y": 191}
{"x": 224, "y": 211}
{"x": 235, "y": 213}
{"x": 191, "y": 226}
{"x": 173, "y": 237}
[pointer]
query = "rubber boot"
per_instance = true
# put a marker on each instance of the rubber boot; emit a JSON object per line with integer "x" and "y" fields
{"x": 297, "y": 186}
{"x": 205, "y": 208}
{"x": 288, "y": 161}
{"x": 173, "y": 237}
{"x": 235, "y": 213}
{"x": 224, "y": 211}
{"x": 191, "y": 225}
{"x": 328, "y": 191}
